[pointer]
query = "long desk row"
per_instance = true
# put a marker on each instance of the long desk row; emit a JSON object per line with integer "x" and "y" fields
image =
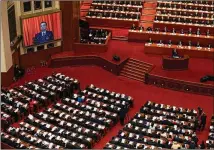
{"x": 121, "y": 8}
{"x": 113, "y": 22}
{"x": 184, "y": 50}
{"x": 155, "y": 128}
{"x": 184, "y": 18}
{"x": 114, "y": 11}
{"x": 188, "y": 11}
{"x": 144, "y": 36}
{"x": 187, "y": 14}
{"x": 118, "y": 5}
{"x": 207, "y": 6}
{"x": 184, "y": 26}
{"x": 192, "y": 3}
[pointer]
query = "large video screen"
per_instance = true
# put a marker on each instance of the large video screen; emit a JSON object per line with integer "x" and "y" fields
{"x": 41, "y": 29}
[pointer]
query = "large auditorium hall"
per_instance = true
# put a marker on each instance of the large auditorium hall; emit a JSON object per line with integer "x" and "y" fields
{"x": 89, "y": 74}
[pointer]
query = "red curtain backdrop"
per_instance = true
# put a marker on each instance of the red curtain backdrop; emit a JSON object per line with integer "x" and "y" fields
{"x": 31, "y": 27}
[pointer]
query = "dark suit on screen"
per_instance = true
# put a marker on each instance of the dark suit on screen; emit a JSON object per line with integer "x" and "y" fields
{"x": 43, "y": 37}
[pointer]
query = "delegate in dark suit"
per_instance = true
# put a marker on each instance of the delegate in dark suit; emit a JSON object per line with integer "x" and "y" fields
{"x": 44, "y": 35}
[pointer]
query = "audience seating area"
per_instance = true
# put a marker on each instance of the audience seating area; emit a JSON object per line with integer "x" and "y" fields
{"x": 210, "y": 141}
{"x": 185, "y": 26}
{"x": 181, "y": 15}
{"x": 114, "y": 13}
{"x": 158, "y": 126}
{"x": 72, "y": 119}
{"x": 192, "y": 37}
{"x": 201, "y": 14}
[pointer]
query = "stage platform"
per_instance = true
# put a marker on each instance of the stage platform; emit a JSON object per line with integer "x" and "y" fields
{"x": 135, "y": 50}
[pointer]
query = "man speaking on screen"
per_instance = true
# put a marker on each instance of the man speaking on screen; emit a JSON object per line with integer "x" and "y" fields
{"x": 43, "y": 36}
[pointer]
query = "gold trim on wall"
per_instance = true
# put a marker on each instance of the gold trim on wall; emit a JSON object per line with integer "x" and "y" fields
{"x": 40, "y": 13}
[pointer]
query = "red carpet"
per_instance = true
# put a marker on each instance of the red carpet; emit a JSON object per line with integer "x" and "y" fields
{"x": 149, "y": 11}
{"x": 136, "y": 50}
{"x": 139, "y": 91}
{"x": 147, "y": 17}
{"x": 151, "y": 4}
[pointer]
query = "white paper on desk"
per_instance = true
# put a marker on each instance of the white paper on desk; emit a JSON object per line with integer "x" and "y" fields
{"x": 48, "y": 125}
{"x": 123, "y": 141}
{"x": 61, "y": 130}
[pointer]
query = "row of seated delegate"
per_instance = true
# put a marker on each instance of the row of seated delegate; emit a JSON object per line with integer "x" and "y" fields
{"x": 16, "y": 142}
{"x": 193, "y": 14}
{"x": 203, "y": 7}
{"x": 195, "y": 2}
{"x": 67, "y": 80}
{"x": 210, "y": 141}
{"x": 115, "y": 2}
{"x": 110, "y": 94}
{"x": 96, "y": 111}
{"x": 186, "y": 12}
{"x": 115, "y": 8}
{"x": 190, "y": 45}
{"x": 59, "y": 129}
{"x": 113, "y": 15}
{"x": 11, "y": 106}
{"x": 95, "y": 36}
{"x": 174, "y": 31}
{"x": 22, "y": 100}
{"x": 69, "y": 123}
{"x": 158, "y": 126}
{"x": 184, "y": 20}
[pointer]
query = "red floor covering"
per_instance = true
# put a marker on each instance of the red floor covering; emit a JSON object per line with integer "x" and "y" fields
{"x": 150, "y": 4}
{"x": 139, "y": 91}
{"x": 197, "y": 67}
{"x": 147, "y": 17}
{"x": 149, "y": 11}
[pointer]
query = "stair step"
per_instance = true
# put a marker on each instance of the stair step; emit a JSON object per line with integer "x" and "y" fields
{"x": 134, "y": 71}
{"x": 135, "y": 68}
{"x": 132, "y": 77}
{"x": 135, "y": 60}
{"x": 139, "y": 65}
{"x": 133, "y": 74}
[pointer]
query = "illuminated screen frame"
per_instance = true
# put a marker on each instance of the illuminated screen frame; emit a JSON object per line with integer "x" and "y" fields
{"x": 37, "y": 15}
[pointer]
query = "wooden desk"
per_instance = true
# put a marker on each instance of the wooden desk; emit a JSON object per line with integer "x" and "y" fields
{"x": 185, "y": 26}
{"x": 167, "y": 50}
{"x": 111, "y": 22}
{"x": 170, "y": 63}
{"x": 138, "y": 36}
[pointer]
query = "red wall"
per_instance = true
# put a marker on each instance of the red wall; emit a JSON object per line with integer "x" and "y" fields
{"x": 34, "y": 58}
